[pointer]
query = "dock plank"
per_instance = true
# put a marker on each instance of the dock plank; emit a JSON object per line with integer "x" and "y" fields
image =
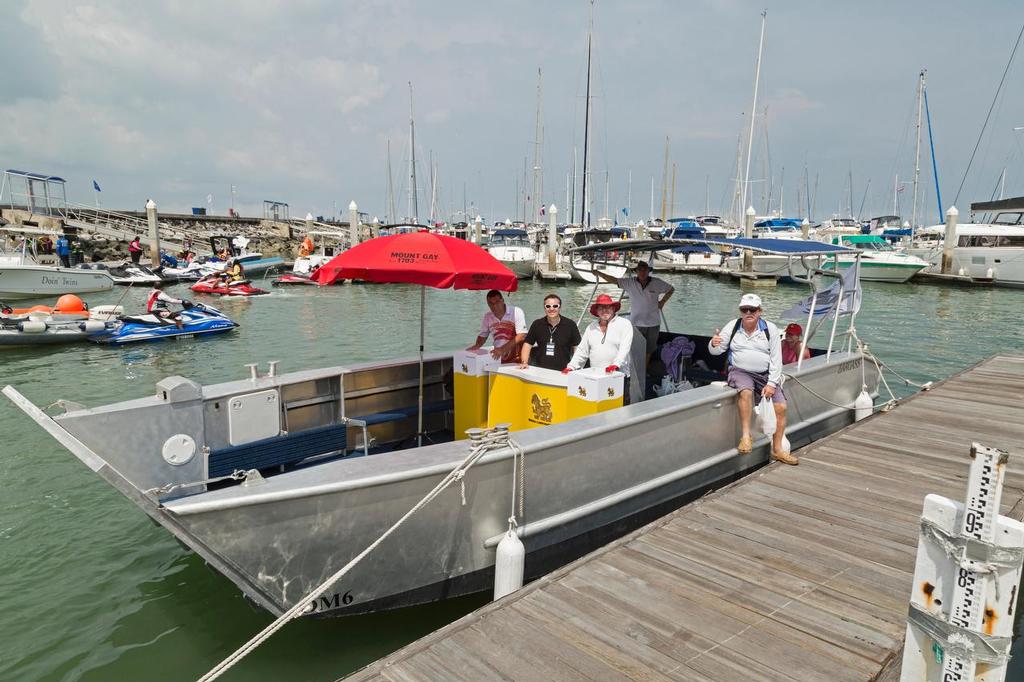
{"x": 788, "y": 574}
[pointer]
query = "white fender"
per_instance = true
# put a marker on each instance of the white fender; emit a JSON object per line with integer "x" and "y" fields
{"x": 508, "y": 565}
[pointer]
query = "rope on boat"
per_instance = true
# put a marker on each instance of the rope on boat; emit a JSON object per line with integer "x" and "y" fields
{"x": 518, "y": 483}
{"x": 881, "y": 367}
{"x": 483, "y": 442}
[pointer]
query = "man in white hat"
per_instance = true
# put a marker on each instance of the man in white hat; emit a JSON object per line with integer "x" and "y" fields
{"x": 755, "y": 364}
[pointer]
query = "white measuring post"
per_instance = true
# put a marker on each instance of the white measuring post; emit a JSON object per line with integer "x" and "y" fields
{"x": 966, "y": 581}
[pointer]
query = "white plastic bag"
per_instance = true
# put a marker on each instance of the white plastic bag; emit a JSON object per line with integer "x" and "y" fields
{"x": 766, "y": 416}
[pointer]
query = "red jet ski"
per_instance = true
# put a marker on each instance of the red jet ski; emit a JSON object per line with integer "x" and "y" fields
{"x": 217, "y": 287}
{"x": 292, "y": 278}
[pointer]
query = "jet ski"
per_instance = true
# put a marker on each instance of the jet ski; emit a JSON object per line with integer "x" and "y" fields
{"x": 126, "y": 273}
{"x": 292, "y": 278}
{"x": 66, "y": 322}
{"x": 197, "y": 320}
{"x": 217, "y": 287}
{"x": 194, "y": 271}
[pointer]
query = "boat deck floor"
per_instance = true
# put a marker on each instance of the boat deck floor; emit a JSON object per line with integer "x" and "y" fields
{"x": 792, "y": 573}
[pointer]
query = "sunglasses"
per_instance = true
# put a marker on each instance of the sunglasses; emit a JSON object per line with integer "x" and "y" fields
{"x": 552, "y": 306}
{"x": 746, "y": 310}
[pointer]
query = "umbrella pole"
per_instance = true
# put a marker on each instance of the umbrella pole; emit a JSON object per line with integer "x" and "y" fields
{"x": 423, "y": 307}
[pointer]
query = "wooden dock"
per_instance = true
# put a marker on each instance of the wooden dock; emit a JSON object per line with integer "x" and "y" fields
{"x": 792, "y": 573}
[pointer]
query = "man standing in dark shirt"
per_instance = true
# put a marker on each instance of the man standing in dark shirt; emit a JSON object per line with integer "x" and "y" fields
{"x": 551, "y": 340}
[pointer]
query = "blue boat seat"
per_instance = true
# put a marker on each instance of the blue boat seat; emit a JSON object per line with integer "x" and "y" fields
{"x": 283, "y": 450}
{"x": 405, "y": 412}
{"x": 291, "y": 448}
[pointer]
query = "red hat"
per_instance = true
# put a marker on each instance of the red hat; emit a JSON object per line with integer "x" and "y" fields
{"x": 604, "y": 299}
{"x": 793, "y": 329}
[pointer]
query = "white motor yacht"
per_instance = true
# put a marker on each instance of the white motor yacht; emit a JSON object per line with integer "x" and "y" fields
{"x": 24, "y": 273}
{"x": 985, "y": 251}
{"x": 687, "y": 255}
{"x": 512, "y": 247}
{"x": 581, "y": 268}
{"x": 880, "y": 261}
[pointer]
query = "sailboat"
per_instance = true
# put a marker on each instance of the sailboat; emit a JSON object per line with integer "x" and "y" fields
{"x": 581, "y": 268}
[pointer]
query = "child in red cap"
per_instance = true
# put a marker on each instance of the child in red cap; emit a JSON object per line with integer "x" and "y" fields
{"x": 791, "y": 344}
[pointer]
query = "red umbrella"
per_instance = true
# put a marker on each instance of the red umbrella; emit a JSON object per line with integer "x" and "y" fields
{"x": 424, "y": 258}
{"x": 433, "y": 260}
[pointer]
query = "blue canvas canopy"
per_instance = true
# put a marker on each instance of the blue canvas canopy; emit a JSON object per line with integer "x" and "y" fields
{"x": 509, "y": 232}
{"x": 779, "y": 223}
{"x": 784, "y": 247}
{"x": 34, "y": 176}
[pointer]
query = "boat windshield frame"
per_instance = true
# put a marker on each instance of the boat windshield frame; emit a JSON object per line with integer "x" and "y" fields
{"x": 790, "y": 248}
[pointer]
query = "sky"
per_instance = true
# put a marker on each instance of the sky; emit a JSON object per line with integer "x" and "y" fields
{"x": 296, "y": 101}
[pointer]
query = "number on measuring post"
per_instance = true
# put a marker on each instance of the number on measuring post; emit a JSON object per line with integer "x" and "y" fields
{"x": 984, "y": 490}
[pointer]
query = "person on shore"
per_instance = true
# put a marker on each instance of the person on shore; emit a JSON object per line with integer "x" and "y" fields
{"x": 63, "y": 248}
{"x": 606, "y": 342}
{"x": 506, "y": 323}
{"x": 647, "y": 296}
{"x": 551, "y": 340}
{"x": 135, "y": 249}
{"x": 755, "y": 364}
{"x": 157, "y": 301}
{"x": 791, "y": 344}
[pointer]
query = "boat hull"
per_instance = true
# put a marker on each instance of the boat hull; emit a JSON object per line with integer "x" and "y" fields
{"x": 581, "y": 270}
{"x": 520, "y": 260}
{"x": 586, "y": 481}
{"x": 1002, "y": 266}
{"x": 873, "y": 271}
{"x": 18, "y": 282}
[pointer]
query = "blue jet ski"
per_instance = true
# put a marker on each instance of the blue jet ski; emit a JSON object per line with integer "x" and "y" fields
{"x": 197, "y": 320}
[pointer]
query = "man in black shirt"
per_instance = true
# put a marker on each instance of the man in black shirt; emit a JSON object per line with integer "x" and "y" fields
{"x": 551, "y": 340}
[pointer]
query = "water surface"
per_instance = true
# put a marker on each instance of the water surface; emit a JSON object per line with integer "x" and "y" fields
{"x": 93, "y": 590}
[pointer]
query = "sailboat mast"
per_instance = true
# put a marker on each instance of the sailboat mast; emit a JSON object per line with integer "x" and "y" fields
{"x": 753, "y": 114}
{"x": 782, "y": 192}
{"x": 651, "y": 214}
{"x": 664, "y": 185}
{"x": 391, "y": 189}
{"x": 414, "y": 210}
{"x": 850, "y": 203}
{"x": 584, "y": 213}
{"x": 433, "y": 185}
{"x": 917, "y": 148}
{"x": 629, "y": 192}
{"x": 606, "y": 175}
{"x": 707, "y": 194}
{"x": 572, "y": 203}
{"x": 538, "y": 159}
{"x": 672, "y": 205}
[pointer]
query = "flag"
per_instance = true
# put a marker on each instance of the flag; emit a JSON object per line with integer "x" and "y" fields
{"x": 542, "y": 210}
{"x": 901, "y": 187}
{"x": 209, "y": 198}
{"x": 625, "y": 212}
{"x": 96, "y": 186}
{"x": 828, "y": 299}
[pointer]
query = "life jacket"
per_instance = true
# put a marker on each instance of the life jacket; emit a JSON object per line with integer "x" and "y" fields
{"x": 153, "y": 300}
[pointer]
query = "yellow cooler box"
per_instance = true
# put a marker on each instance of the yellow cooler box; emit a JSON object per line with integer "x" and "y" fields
{"x": 528, "y": 398}
{"x": 471, "y": 369}
{"x": 593, "y": 390}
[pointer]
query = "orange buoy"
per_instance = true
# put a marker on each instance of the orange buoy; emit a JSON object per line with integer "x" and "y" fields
{"x": 69, "y": 303}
